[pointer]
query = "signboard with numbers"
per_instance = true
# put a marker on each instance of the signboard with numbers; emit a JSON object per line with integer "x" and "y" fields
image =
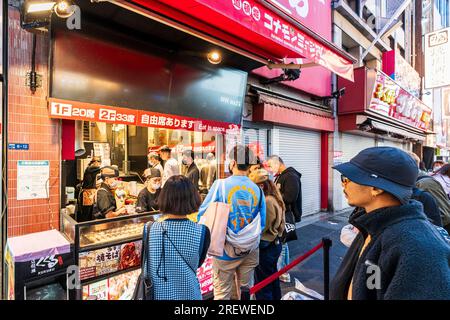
{"x": 63, "y": 109}
{"x": 437, "y": 52}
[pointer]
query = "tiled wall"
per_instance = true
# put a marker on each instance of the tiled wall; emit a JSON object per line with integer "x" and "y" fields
{"x": 29, "y": 123}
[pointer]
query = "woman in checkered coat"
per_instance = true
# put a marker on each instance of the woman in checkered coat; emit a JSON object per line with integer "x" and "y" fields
{"x": 177, "y": 245}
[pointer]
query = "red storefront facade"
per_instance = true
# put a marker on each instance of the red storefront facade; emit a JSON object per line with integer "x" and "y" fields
{"x": 255, "y": 29}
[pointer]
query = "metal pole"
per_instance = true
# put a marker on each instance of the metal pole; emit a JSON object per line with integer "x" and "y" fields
{"x": 4, "y": 133}
{"x": 327, "y": 243}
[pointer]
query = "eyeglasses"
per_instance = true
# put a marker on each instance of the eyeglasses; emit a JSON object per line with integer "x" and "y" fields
{"x": 344, "y": 179}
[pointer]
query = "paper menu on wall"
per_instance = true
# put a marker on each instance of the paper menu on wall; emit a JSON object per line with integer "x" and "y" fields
{"x": 33, "y": 180}
{"x": 103, "y": 150}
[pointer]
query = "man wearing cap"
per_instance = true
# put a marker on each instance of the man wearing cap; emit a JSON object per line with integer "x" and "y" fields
{"x": 106, "y": 206}
{"x": 398, "y": 254}
{"x": 171, "y": 167}
{"x": 147, "y": 198}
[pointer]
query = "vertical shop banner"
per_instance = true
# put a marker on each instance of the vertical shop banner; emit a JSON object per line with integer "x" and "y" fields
{"x": 33, "y": 180}
{"x": 391, "y": 100}
{"x": 437, "y": 53}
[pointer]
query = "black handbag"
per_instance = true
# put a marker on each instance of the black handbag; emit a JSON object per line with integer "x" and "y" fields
{"x": 290, "y": 229}
{"x": 144, "y": 286}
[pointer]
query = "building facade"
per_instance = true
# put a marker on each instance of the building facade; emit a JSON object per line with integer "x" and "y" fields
{"x": 384, "y": 106}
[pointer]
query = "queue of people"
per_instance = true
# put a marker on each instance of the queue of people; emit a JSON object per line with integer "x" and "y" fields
{"x": 398, "y": 227}
{"x": 254, "y": 235}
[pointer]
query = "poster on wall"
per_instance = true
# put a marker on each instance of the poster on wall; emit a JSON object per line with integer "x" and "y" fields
{"x": 437, "y": 51}
{"x": 33, "y": 180}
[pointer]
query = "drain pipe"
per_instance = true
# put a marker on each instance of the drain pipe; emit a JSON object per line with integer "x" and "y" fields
{"x": 4, "y": 162}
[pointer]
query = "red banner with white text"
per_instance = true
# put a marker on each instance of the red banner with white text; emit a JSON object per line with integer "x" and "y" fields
{"x": 73, "y": 110}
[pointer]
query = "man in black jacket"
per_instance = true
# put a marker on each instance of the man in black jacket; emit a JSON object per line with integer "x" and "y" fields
{"x": 288, "y": 180}
{"x": 398, "y": 254}
{"x": 290, "y": 186}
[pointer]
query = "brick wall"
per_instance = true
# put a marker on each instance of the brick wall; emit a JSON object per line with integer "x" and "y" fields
{"x": 28, "y": 122}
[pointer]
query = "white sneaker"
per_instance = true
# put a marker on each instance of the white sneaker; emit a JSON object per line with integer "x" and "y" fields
{"x": 285, "y": 277}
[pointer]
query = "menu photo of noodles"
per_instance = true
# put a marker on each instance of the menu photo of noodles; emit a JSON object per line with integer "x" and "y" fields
{"x": 130, "y": 255}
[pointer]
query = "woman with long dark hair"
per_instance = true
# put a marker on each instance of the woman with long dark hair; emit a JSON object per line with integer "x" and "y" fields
{"x": 270, "y": 245}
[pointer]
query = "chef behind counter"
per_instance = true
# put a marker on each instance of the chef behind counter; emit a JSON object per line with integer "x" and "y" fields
{"x": 106, "y": 205}
{"x": 147, "y": 199}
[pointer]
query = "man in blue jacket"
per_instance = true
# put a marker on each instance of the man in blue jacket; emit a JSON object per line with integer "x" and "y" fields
{"x": 398, "y": 253}
{"x": 245, "y": 224}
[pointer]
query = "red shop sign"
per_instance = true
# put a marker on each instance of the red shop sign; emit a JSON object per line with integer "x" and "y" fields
{"x": 251, "y": 22}
{"x": 314, "y": 14}
{"x": 73, "y": 110}
{"x": 266, "y": 23}
{"x": 391, "y": 100}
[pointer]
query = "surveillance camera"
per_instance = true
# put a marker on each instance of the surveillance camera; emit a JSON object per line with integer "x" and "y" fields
{"x": 341, "y": 92}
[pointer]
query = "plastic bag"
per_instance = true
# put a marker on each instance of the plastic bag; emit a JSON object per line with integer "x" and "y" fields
{"x": 292, "y": 295}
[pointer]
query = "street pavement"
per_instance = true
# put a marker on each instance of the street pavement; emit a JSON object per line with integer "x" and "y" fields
{"x": 310, "y": 232}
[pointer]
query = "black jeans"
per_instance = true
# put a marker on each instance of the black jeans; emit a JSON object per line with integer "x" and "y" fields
{"x": 269, "y": 252}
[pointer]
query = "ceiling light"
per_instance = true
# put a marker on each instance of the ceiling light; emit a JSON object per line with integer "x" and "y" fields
{"x": 64, "y": 8}
{"x": 214, "y": 57}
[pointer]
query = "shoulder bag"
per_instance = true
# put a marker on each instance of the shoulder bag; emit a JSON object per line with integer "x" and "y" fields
{"x": 144, "y": 286}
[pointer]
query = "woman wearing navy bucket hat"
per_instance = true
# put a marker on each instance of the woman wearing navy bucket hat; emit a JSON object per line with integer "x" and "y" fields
{"x": 398, "y": 254}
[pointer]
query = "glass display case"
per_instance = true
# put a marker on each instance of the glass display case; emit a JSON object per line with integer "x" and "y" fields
{"x": 106, "y": 250}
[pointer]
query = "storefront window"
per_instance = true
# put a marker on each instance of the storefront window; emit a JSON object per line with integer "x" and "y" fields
{"x": 127, "y": 147}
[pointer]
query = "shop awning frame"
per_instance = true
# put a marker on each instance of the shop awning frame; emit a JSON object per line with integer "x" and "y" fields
{"x": 365, "y": 123}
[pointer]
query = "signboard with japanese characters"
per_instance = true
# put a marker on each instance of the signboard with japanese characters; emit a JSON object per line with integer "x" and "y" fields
{"x": 205, "y": 276}
{"x": 268, "y": 24}
{"x": 109, "y": 260}
{"x": 62, "y": 109}
{"x": 437, "y": 52}
{"x": 391, "y": 100}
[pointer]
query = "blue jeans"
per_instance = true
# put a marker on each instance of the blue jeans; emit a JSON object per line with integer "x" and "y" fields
{"x": 269, "y": 252}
